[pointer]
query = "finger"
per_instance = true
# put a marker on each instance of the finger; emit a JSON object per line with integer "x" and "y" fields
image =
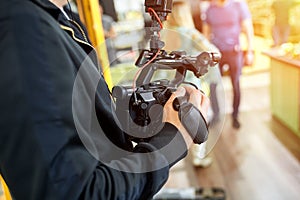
{"x": 169, "y": 112}
{"x": 205, "y": 100}
{"x": 204, "y": 105}
{"x": 196, "y": 98}
{"x": 200, "y": 100}
{"x": 189, "y": 89}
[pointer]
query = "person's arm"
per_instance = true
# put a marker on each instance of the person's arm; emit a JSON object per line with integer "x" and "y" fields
{"x": 247, "y": 29}
{"x": 206, "y": 31}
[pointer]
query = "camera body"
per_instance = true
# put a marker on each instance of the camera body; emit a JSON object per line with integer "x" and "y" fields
{"x": 139, "y": 109}
{"x": 140, "y": 112}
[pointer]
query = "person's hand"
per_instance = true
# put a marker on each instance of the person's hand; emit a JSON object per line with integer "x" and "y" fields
{"x": 197, "y": 98}
{"x": 249, "y": 58}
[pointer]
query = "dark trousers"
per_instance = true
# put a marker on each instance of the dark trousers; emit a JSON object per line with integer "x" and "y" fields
{"x": 234, "y": 60}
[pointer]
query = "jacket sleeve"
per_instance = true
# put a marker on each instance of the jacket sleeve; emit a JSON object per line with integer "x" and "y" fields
{"x": 22, "y": 160}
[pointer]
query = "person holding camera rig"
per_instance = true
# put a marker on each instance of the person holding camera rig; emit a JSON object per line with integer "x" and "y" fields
{"x": 224, "y": 21}
{"x": 47, "y": 151}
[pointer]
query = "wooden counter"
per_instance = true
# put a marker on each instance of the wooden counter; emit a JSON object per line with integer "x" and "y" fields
{"x": 285, "y": 89}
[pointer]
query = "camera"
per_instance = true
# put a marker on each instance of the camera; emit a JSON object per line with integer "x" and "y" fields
{"x": 139, "y": 108}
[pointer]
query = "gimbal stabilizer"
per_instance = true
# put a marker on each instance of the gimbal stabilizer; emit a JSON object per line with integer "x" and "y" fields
{"x": 136, "y": 106}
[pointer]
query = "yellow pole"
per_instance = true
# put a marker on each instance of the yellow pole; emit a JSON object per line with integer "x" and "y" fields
{"x": 89, "y": 12}
{"x": 7, "y": 195}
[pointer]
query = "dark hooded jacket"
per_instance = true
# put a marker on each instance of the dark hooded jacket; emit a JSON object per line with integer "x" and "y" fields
{"x": 42, "y": 155}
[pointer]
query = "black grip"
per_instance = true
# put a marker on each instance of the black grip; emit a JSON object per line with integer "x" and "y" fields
{"x": 194, "y": 122}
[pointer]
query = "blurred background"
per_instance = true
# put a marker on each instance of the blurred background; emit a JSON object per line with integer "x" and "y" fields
{"x": 258, "y": 161}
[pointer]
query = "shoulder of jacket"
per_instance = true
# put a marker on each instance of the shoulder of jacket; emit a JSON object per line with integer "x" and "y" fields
{"x": 24, "y": 10}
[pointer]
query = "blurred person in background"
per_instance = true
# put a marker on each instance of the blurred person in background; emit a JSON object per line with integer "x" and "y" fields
{"x": 43, "y": 113}
{"x": 224, "y": 21}
{"x": 180, "y": 34}
{"x": 281, "y": 28}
